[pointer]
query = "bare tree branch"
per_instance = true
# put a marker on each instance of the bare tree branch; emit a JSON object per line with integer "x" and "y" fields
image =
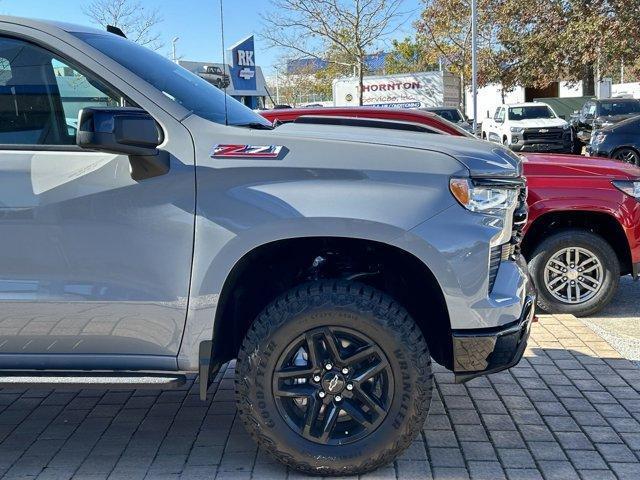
{"x": 349, "y": 29}
{"x": 136, "y": 21}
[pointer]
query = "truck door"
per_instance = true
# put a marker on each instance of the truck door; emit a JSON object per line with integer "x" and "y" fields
{"x": 95, "y": 266}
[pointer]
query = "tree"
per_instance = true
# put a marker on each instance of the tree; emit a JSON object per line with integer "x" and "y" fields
{"x": 136, "y": 21}
{"x": 408, "y": 56}
{"x": 444, "y": 35}
{"x": 298, "y": 86}
{"x": 350, "y": 28}
{"x": 532, "y": 42}
{"x": 572, "y": 39}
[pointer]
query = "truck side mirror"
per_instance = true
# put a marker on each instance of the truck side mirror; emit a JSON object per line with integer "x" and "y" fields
{"x": 124, "y": 131}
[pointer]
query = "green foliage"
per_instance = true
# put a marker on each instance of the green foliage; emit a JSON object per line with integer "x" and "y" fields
{"x": 533, "y": 42}
{"x": 407, "y": 56}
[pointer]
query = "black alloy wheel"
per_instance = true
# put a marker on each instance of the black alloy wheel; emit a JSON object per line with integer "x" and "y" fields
{"x": 627, "y": 155}
{"x": 333, "y": 385}
{"x": 334, "y": 378}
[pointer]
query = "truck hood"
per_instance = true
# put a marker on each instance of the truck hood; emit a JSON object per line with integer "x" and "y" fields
{"x": 542, "y": 164}
{"x": 538, "y": 123}
{"x": 482, "y": 159}
{"x": 614, "y": 118}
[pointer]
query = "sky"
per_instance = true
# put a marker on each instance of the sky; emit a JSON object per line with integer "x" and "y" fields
{"x": 196, "y": 22}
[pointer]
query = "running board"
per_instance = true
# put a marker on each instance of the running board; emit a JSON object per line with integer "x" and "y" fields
{"x": 103, "y": 380}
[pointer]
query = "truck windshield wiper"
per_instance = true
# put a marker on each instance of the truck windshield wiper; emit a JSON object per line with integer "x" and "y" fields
{"x": 256, "y": 125}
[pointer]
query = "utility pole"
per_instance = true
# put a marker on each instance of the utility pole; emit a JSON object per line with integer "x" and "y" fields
{"x": 277, "y": 85}
{"x": 474, "y": 62}
{"x": 173, "y": 42}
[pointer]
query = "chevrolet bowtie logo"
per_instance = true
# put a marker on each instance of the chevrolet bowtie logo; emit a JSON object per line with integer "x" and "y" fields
{"x": 246, "y": 74}
{"x": 333, "y": 383}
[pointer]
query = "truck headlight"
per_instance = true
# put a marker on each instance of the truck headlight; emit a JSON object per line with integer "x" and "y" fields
{"x": 566, "y": 126}
{"x": 630, "y": 187}
{"x": 492, "y": 200}
{"x": 517, "y": 129}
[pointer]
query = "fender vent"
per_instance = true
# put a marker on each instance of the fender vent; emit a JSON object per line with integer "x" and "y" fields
{"x": 499, "y": 254}
{"x": 495, "y": 258}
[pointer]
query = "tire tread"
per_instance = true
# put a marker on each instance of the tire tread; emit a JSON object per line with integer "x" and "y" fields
{"x": 362, "y": 297}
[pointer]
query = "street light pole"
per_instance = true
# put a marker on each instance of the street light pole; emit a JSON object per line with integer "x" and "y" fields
{"x": 474, "y": 62}
{"x": 277, "y": 86}
{"x": 173, "y": 42}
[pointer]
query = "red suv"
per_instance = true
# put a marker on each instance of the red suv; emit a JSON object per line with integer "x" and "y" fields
{"x": 583, "y": 231}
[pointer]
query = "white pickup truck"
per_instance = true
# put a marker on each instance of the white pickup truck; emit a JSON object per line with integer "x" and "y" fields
{"x": 528, "y": 127}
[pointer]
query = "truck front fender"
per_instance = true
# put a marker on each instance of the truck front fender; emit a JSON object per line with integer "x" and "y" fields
{"x": 215, "y": 259}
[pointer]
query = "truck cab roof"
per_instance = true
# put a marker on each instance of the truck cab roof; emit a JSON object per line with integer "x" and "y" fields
{"x": 49, "y": 25}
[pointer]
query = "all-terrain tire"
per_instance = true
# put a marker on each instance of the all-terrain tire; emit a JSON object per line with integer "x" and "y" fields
{"x": 335, "y": 304}
{"x": 582, "y": 239}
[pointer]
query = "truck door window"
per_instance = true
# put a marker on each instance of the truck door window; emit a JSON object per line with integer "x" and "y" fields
{"x": 40, "y": 96}
{"x": 77, "y": 91}
{"x": 500, "y": 115}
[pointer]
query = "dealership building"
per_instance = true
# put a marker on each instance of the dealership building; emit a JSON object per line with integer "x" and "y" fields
{"x": 240, "y": 77}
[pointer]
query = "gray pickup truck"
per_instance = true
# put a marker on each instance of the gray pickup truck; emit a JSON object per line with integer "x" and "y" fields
{"x": 171, "y": 230}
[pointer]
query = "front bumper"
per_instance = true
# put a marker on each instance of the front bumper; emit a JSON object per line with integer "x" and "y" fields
{"x": 592, "y": 150}
{"x": 542, "y": 147}
{"x": 489, "y": 350}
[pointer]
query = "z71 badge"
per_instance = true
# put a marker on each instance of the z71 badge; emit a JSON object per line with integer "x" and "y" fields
{"x": 248, "y": 151}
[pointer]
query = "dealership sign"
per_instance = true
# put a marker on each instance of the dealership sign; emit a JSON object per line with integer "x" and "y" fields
{"x": 243, "y": 64}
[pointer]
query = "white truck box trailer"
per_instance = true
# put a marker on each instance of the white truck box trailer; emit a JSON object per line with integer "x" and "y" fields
{"x": 410, "y": 90}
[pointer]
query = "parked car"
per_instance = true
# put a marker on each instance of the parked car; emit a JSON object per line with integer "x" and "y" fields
{"x": 596, "y": 114}
{"x": 178, "y": 230}
{"x": 453, "y": 115}
{"x": 528, "y": 127}
{"x": 581, "y": 210}
{"x": 620, "y": 141}
{"x": 214, "y": 75}
{"x": 420, "y": 120}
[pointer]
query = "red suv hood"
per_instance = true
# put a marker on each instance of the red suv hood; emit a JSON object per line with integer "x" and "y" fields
{"x": 542, "y": 164}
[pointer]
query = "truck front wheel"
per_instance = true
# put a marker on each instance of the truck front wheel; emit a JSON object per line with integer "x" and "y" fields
{"x": 575, "y": 272}
{"x": 334, "y": 378}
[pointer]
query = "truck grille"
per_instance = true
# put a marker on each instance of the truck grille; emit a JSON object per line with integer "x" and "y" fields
{"x": 520, "y": 217}
{"x": 542, "y": 134}
{"x": 510, "y": 250}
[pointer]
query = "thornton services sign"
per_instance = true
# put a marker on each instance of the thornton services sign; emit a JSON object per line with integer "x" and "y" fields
{"x": 415, "y": 90}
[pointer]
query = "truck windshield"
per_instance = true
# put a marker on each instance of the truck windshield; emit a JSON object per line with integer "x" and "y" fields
{"x": 453, "y": 115}
{"x": 177, "y": 83}
{"x": 530, "y": 113}
{"x": 618, "y": 108}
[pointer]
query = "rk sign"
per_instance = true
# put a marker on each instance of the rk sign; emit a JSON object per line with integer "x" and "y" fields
{"x": 243, "y": 68}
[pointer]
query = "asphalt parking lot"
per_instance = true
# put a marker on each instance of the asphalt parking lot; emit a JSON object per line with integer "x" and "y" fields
{"x": 569, "y": 410}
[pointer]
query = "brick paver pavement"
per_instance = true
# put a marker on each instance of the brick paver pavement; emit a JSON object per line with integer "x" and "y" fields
{"x": 569, "y": 410}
